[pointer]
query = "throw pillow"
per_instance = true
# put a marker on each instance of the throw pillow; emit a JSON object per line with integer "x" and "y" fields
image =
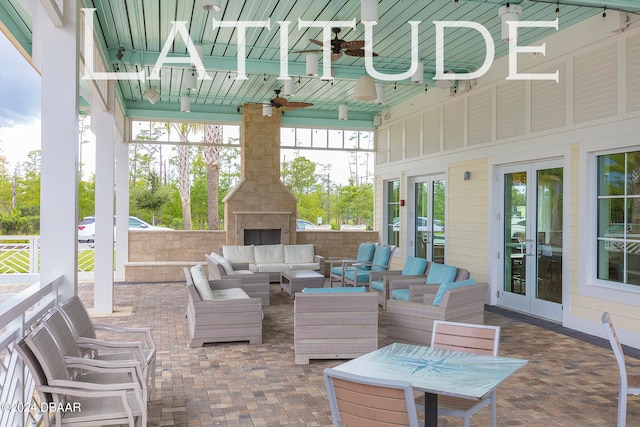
{"x": 441, "y": 273}
{"x": 201, "y": 283}
{"x": 451, "y": 285}
{"x": 225, "y": 263}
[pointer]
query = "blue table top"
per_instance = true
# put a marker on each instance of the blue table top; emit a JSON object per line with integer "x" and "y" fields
{"x": 436, "y": 371}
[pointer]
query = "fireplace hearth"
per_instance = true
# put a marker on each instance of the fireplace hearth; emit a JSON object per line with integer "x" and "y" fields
{"x": 261, "y": 237}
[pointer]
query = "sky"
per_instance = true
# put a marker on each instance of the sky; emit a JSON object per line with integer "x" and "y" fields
{"x": 20, "y": 119}
{"x": 19, "y": 105}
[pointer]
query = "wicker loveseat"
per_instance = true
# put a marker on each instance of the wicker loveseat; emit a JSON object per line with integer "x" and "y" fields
{"x": 409, "y": 321}
{"x": 226, "y": 313}
{"x": 334, "y": 323}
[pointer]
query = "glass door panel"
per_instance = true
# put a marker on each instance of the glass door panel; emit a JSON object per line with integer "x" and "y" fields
{"x": 531, "y": 252}
{"x": 428, "y": 218}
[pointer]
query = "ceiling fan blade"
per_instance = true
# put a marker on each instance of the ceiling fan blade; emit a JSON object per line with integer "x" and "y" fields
{"x": 307, "y": 51}
{"x": 299, "y": 104}
{"x": 353, "y": 44}
{"x": 318, "y": 42}
{"x": 358, "y": 53}
{"x": 279, "y": 102}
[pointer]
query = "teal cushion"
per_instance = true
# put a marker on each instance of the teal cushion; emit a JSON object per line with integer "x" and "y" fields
{"x": 414, "y": 266}
{"x": 362, "y": 275}
{"x": 336, "y": 271}
{"x": 441, "y": 273}
{"x": 365, "y": 252}
{"x": 450, "y": 285}
{"x": 381, "y": 258}
{"x": 378, "y": 285}
{"x": 334, "y": 290}
{"x": 400, "y": 294}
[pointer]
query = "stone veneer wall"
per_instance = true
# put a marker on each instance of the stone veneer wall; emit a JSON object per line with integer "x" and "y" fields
{"x": 336, "y": 243}
{"x": 159, "y": 256}
{"x": 260, "y": 200}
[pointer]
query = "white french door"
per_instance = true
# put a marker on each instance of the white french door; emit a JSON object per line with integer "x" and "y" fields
{"x": 426, "y": 228}
{"x": 531, "y": 218}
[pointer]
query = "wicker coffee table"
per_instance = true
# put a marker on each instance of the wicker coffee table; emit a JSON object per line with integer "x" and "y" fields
{"x": 293, "y": 281}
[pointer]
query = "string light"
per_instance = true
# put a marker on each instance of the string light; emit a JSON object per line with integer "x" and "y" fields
{"x": 507, "y": 9}
{"x": 455, "y": 2}
{"x": 604, "y": 12}
{"x": 557, "y": 9}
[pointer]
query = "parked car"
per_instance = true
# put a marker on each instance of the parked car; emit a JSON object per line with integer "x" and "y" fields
{"x": 438, "y": 227}
{"x": 301, "y": 224}
{"x": 87, "y": 228}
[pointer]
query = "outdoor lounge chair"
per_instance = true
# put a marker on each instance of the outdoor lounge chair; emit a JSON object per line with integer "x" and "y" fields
{"x": 254, "y": 284}
{"x": 478, "y": 339}
{"x": 357, "y": 273}
{"x": 414, "y": 268}
{"x": 412, "y": 322}
{"x": 230, "y": 314}
{"x": 412, "y": 289}
{"x": 360, "y": 401}
{"x": 65, "y": 339}
{"x": 337, "y": 265}
{"x": 85, "y": 330}
{"x": 72, "y": 386}
{"x": 629, "y": 383}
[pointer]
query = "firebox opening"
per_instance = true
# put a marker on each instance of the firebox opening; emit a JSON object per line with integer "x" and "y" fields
{"x": 262, "y": 237}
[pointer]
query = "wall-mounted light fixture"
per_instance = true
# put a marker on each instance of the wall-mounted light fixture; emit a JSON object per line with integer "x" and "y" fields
{"x": 467, "y": 175}
{"x": 508, "y": 13}
{"x": 418, "y": 76}
{"x": 152, "y": 95}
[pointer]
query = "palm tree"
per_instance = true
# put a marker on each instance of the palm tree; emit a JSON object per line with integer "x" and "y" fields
{"x": 213, "y": 137}
{"x": 184, "y": 163}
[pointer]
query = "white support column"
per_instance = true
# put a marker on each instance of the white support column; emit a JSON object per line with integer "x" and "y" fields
{"x": 103, "y": 124}
{"x": 122, "y": 208}
{"x": 58, "y": 58}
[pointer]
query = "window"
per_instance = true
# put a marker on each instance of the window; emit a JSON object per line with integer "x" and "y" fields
{"x": 393, "y": 212}
{"x": 619, "y": 217}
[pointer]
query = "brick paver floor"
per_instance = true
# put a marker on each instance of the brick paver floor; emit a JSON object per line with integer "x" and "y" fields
{"x": 568, "y": 381}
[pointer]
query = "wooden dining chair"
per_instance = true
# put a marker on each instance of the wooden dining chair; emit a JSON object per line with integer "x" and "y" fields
{"x": 629, "y": 384}
{"x": 472, "y": 338}
{"x": 360, "y": 401}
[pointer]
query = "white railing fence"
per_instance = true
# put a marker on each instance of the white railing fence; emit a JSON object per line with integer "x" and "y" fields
{"x": 20, "y": 259}
{"x": 19, "y": 405}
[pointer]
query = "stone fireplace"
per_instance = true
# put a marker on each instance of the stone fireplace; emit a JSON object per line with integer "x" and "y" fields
{"x": 260, "y": 201}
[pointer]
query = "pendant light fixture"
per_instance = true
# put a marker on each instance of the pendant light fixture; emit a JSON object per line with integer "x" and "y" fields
{"x": 365, "y": 89}
{"x": 369, "y": 10}
{"x": 418, "y": 75}
{"x": 190, "y": 81}
{"x": 343, "y": 112}
{"x": 380, "y": 93}
{"x": 312, "y": 64}
{"x": 289, "y": 88}
{"x": 508, "y": 13}
{"x": 185, "y": 104}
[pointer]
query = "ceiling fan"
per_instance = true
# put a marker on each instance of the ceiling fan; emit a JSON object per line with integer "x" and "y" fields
{"x": 279, "y": 102}
{"x": 339, "y": 47}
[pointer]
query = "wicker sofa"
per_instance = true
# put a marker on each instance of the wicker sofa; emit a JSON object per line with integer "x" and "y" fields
{"x": 224, "y": 314}
{"x": 334, "y": 323}
{"x": 412, "y": 322}
{"x": 273, "y": 259}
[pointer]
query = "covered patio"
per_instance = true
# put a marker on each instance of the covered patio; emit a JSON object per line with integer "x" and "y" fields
{"x": 571, "y": 378}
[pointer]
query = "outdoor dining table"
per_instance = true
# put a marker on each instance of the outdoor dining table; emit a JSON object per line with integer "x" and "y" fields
{"x": 436, "y": 371}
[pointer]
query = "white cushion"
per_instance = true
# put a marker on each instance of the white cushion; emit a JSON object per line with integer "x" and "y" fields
{"x": 276, "y": 267}
{"x": 225, "y": 263}
{"x": 201, "y": 283}
{"x": 268, "y": 254}
{"x": 304, "y": 266}
{"x": 231, "y": 293}
{"x": 239, "y": 254}
{"x": 240, "y": 272}
{"x": 298, "y": 254}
